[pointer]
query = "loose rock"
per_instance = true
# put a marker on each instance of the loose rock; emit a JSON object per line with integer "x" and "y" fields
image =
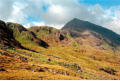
{"x": 108, "y": 70}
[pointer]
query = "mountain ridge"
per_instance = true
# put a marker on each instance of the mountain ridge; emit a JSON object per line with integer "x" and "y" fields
{"x": 80, "y": 26}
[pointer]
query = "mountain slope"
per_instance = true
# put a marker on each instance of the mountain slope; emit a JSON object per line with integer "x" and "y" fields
{"x": 25, "y": 37}
{"x": 58, "y": 62}
{"x": 51, "y": 35}
{"x": 80, "y": 28}
{"x": 6, "y": 37}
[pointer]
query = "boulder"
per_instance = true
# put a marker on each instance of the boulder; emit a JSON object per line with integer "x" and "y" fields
{"x": 49, "y": 59}
{"x": 108, "y": 70}
{"x": 72, "y": 66}
{"x": 39, "y": 69}
{"x": 24, "y": 59}
{"x": 2, "y": 69}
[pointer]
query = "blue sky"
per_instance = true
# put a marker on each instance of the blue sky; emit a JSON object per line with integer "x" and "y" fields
{"x": 56, "y": 13}
{"x": 104, "y": 3}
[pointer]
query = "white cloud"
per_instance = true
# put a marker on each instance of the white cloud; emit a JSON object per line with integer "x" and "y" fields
{"x": 58, "y": 13}
{"x": 113, "y": 24}
{"x": 34, "y": 24}
{"x": 113, "y": 16}
{"x": 17, "y": 15}
{"x": 55, "y": 14}
{"x": 42, "y": 24}
{"x": 5, "y": 8}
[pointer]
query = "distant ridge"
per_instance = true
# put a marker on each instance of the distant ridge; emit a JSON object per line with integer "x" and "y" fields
{"x": 77, "y": 26}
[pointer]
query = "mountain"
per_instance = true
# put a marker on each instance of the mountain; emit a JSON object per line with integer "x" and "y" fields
{"x": 73, "y": 53}
{"x": 25, "y": 37}
{"x": 6, "y": 36}
{"x": 90, "y": 31}
{"x": 50, "y": 34}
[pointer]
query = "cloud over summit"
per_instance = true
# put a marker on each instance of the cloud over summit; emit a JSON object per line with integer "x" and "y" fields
{"x": 58, "y": 12}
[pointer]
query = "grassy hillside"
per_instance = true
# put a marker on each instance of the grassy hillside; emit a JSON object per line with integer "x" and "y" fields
{"x": 59, "y": 63}
{"x": 66, "y": 58}
{"x": 25, "y": 37}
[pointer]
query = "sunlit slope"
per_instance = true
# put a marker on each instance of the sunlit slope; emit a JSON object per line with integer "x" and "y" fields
{"x": 25, "y": 37}
{"x": 63, "y": 63}
{"x": 66, "y": 58}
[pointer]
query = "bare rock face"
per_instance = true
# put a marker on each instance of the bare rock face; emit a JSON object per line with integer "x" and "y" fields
{"x": 6, "y": 37}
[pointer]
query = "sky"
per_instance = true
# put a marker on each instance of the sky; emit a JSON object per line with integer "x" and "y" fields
{"x": 57, "y": 13}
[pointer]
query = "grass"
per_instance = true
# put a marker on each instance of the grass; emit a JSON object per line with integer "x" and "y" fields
{"x": 69, "y": 55}
{"x": 88, "y": 58}
{"x": 85, "y": 62}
